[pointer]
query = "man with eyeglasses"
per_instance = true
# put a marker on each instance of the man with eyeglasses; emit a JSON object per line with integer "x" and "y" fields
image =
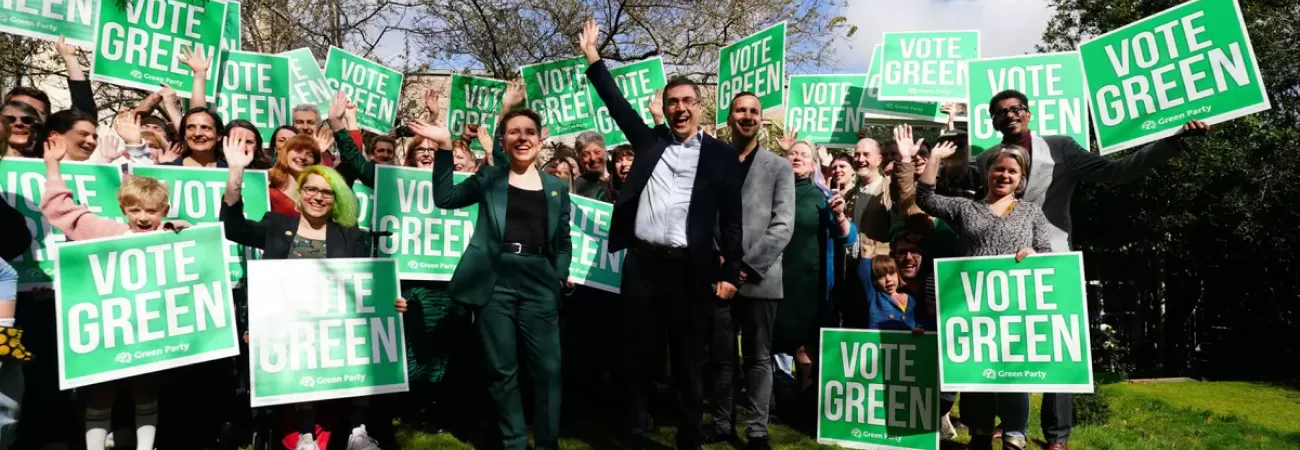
{"x": 1056, "y": 165}
{"x": 683, "y": 185}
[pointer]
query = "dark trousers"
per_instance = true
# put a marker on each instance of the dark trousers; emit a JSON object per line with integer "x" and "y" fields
{"x": 752, "y": 319}
{"x": 523, "y": 308}
{"x": 664, "y": 293}
{"x": 1057, "y": 417}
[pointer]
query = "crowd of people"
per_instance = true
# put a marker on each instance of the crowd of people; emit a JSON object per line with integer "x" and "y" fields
{"x": 724, "y": 238}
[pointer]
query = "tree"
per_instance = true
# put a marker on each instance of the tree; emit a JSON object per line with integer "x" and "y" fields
{"x": 1202, "y": 253}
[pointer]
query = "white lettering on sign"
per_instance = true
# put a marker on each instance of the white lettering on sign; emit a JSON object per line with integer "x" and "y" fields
{"x": 884, "y": 403}
{"x": 365, "y": 86}
{"x": 482, "y": 103}
{"x": 592, "y": 248}
{"x": 1052, "y": 116}
{"x": 415, "y": 233}
{"x": 157, "y": 31}
{"x": 564, "y": 94}
{"x": 246, "y": 93}
{"x": 330, "y": 342}
{"x": 934, "y": 61}
{"x": 77, "y": 11}
{"x": 1177, "y": 81}
{"x": 753, "y": 70}
{"x": 313, "y": 91}
{"x": 985, "y": 339}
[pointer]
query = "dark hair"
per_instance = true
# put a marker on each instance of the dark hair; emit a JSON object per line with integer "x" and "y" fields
{"x": 958, "y": 138}
{"x": 216, "y": 123}
{"x": 273, "y": 149}
{"x": 537, "y": 119}
{"x": 63, "y": 121}
{"x": 745, "y": 94}
{"x": 683, "y": 81}
{"x": 370, "y": 149}
{"x": 621, "y": 151}
{"x": 29, "y": 92}
{"x": 36, "y": 143}
{"x": 260, "y": 159}
{"x": 168, "y": 129}
{"x": 846, "y": 158}
{"x": 1007, "y": 94}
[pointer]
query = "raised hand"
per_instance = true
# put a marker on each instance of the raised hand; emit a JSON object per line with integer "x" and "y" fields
{"x": 171, "y": 153}
{"x": 324, "y": 138}
{"x": 656, "y": 106}
{"x": 787, "y": 141}
{"x": 514, "y": 93}
{"x": 238, "y": 153}
{"x": 127, "y": 127}
{"x": 338, "y": 106}
{"x": 436, "y": 133}
{"x": 836, "y": 203}
{"x": 431, "y": 99}
{"x": 485, "y": 141}
{"x": 110, "y": 148}
{"x": 906, "y": 146}
{"x": 943, "y": 151}
{"x": 350, "y": 115}
{"x": 55, "y": 149}
{"x": 587, "y": 41}
{"x": 195, "y": 59}
{"x": 168, "y": 94}
{"x": 65, "y": 49}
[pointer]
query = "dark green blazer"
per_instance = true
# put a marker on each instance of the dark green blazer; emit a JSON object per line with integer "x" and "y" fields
{"x": 476, "y": 274}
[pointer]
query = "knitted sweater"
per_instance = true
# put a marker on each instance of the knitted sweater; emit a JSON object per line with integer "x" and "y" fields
{"x": 980, "y": 232}
{"x": 75, "y": 221}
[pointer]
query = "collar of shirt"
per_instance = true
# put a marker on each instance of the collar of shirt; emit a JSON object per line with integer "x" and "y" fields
{"x": 693, "y": 142}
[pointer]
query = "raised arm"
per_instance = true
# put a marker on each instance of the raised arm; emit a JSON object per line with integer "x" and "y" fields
{"x": 446, "y": 193}
{"x": 352, "y": 156}
{"x": 83, "y": 97}
{"x": 763, "y": 254}
{"x": 946, "y": 208}
{"x": 627, "y": 118}
{"x": 1091, "y": 167}
{"x": 238, "y": 228}
{"x": 75, "y": 221}
{"x": 199, "y": 65}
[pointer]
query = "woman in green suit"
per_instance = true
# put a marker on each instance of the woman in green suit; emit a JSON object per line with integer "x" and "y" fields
{"x": 513, "y": 270}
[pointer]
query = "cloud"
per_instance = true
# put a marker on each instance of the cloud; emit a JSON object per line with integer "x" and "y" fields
{"x": 1007, "y": 27}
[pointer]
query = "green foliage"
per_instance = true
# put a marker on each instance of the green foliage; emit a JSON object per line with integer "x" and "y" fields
{"x": 1092, "y": 409}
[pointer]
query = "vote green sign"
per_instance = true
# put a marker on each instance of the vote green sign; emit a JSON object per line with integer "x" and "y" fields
{"x": 138, "y": 42}
{"x": 592, "y": 264}
{"x": 1052, "y": 81}
{"x": 307, "y": 84}
{"x": 638, "y": 81}
{"x": 196, "y": 195}
{"x": 427, "y": 241}
{"x": 558, "y": 91}
{"x": 754, "y": 64}
{"x": 142, "y": 303}
{"x": 878, "y": 390}
{"x": 365, "y": 204}
{"x": 1013, "y": 327}
{"x": 93, "y": 186}
{"x": 881, "y": 109}
{"x": 1190, "y": 62}
{"x": 824, "y": 108}
{"x": 49, "y": 19}
{"x": 254, "y": 87}
{"x": 322, "y": 329}
{"x": 375, "y": 89}
{"x": 475, "y": 100}
{"x": 927, "y": 66}
{"x": 233, "y": 39}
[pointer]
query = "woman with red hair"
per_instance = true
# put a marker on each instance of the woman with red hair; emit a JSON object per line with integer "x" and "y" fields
{"x": 294, "y": 156}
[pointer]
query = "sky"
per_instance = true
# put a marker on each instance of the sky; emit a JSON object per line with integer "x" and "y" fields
{"x": 1007, "y": 27}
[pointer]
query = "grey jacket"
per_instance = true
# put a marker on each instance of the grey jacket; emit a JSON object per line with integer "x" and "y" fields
{"x": 767, "y": 198}
{"x": 1058, "y": 163}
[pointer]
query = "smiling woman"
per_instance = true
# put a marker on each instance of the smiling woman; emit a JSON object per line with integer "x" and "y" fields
{"x": 293, "y": 157}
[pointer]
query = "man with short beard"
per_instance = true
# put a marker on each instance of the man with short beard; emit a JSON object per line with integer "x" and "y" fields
{"x": 767, "y": 197}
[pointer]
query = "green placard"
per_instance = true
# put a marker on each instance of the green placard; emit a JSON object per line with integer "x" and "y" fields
{"x": 307, "y": 84}
{"x": 233, "y": 39}
{"x": 558, "y": 91}
{"x": 375, "y": 89}
{"x": 927, "y": 66}
{"x": 138, "y": 42}
{"x": 322, "y": 329}
{"x": 755, "y": 64}
{"x": 92, "y": 185}
{"x": 196, "y": 194}
{"x": 1052, "y": 81}
{"x": 1013, "y": 327}
{"x": 592, "y": 264}
{"x": 49, "y": 19}
{"x": 878, "y": 390}
{"x": 824, "y": 108}
{"x": 475, "y": 100}
{"x": 254, "y": 87}
{"x": 427, "y": 241}
{"x": 638, "y": 81}
{"x": 1190, "y": 62}
{"x": 880, "y": 109}
{"x": 142, "y": 303}
{"x": 365, "y": 204}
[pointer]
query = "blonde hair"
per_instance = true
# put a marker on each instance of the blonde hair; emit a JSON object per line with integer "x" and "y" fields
{"x": 154, "y": 140}
{"x": 142, "y": 191}
{"x": 1016, "y": 152}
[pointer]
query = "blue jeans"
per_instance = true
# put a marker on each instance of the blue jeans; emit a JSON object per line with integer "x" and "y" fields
{"x": 980, "y": 410}
{"x": 8, "y": 281}
{"x": 11, "y": 397}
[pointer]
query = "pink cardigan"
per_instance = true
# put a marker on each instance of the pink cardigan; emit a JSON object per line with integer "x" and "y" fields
{"x": 75, "y": 221}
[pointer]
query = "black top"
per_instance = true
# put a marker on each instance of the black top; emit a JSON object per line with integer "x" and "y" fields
{"x": 748, "y": 162}
{"x": 526, "y": 217}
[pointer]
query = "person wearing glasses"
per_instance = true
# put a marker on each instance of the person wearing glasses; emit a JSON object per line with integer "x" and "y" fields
{"x": 683, "y": 186}
{"x": 26, "y": 129}
{"x": 1055, "y": 165}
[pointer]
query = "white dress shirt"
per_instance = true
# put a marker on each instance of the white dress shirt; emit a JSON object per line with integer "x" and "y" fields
{"x": 666, "y": 200}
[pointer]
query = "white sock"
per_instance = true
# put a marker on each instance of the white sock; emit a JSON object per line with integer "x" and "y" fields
{"x": 97, "y": 423}
{"x": 146, "y": 425}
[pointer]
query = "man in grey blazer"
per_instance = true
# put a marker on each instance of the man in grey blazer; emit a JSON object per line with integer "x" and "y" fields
{"x": 1056, "y": 165}
{"x": 767, "y": 198}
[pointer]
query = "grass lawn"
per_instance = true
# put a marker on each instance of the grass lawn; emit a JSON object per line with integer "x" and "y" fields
{"x": 1182, "y": 415}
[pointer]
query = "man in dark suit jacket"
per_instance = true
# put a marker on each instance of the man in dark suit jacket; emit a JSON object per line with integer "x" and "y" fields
{"x": 683, "y": 185}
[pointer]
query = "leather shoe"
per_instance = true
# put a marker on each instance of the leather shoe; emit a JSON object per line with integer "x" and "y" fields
{"x": 758, "y": 443}
{"x": 1059, "y": 446}
{"x": 713, "y": 436}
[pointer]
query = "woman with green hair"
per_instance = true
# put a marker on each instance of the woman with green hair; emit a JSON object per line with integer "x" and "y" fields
{"x": 326, "y": 228}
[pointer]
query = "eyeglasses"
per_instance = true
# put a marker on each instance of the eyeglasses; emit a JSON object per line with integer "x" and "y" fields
{"x": 26, "y": 120}
{"x": 424, "y": 151}
{"x": 686, "y": 102}
{"x": 313, "y": 190}
{"x": 1014, "y": 110}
